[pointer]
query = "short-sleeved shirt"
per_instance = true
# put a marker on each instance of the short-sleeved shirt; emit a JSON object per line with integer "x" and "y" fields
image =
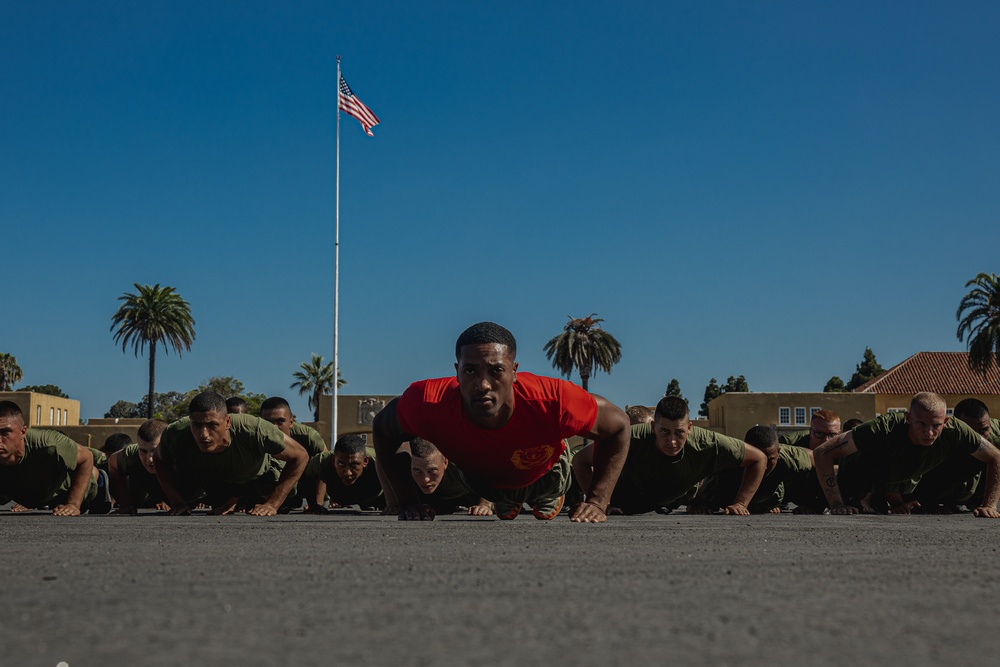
{"x": 546, "y": 410}
{"x": 253, "y": 445}
{"x": 100, "y": 458}
{"x": 366, "y": 490}
{"x": 453, "y": 489}
{"x": 142, "y": 484}
{"x": 309, "y": 438}
{"x": 958, "y": 477}
{"x": 797, "y": 438}
{"x": 45, "y": 473}
{"x": 888, "y": 461}
{"x": 793, "y": 469}
{"x": 650, "y": 479}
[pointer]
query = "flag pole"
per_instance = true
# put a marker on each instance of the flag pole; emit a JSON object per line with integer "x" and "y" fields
{"x": 336, "y": 273}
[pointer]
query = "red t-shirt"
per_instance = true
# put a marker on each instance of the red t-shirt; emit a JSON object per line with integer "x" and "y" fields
{"x": 546, "y": 410}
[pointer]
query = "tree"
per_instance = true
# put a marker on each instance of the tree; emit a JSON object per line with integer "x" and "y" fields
{"x": 315, "y": 378}
{"x": 868, "y": 368}
{"x": 123, "y": 410}
{"x": 10, "y": 372}
{"x": 228, "y": 387}
{"x": 674, "y": 389}
{"x": 834, "y": 384}
{"x": 167, "y": 406}
{"x": 48, "y": 389}
{"x": 153, "y": 315}
{"x": 585, "y": 347}
{"x": 713, "y": 390}
{"x": 735, "y": 384}
{"x": 981, "y": 322}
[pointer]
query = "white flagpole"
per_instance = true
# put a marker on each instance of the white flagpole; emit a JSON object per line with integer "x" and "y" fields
{"x": 336, "y": 273}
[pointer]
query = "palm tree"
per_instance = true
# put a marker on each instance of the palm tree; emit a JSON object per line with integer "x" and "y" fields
{"x": 583, "y": 346}
{"x": 153, "y": 315}
{"x": 315, "y": 378}
{"x": 981, "y": 322}
{"x": 10, "y": 372}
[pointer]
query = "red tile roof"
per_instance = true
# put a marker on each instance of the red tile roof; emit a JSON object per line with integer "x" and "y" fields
{"x": 940, "y": 372}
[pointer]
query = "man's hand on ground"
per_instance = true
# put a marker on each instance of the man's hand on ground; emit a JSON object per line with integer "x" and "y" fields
{"x": 263, "y": 509}
{"x": 587, "y": 512}
{"x": 66, "y": 510}
{"x": 986, "y": 512}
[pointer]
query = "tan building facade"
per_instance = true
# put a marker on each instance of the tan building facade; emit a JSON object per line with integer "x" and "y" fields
{"x": 44, "y": 410}
{"x": 735, "y": 413}
{"x": 354, "y": 414}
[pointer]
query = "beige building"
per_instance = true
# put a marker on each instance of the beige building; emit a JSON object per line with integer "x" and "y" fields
{"x": 945, "y": 373}
{"x": 734, "y": 413}
{"x": 44, "y": 410}
{"x": 354, "y": 413}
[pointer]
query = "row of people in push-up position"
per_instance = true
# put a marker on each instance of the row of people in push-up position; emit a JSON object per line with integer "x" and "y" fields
{"x": 492, "y": 440}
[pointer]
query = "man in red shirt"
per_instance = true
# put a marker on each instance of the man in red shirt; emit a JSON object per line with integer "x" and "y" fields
{"x": 505, "y": 430}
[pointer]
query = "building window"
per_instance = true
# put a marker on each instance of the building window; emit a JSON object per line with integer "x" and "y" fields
{"x": 813, "y": 411}
{"x": 784, "y": 416}
{"x": 800, "y": 417}
{"x": 38, "y": 415}
{"x": 52, "y": 416}
{"x": 65, "y": 417}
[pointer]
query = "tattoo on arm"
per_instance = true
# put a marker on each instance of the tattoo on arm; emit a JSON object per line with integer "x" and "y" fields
{"x": 831, "y": 482}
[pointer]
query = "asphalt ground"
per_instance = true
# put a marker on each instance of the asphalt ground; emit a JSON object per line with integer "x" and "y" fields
{"x": 358, "y": 588}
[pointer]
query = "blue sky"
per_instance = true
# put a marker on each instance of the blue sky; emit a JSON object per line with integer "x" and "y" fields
{"x": 758, "y": 188}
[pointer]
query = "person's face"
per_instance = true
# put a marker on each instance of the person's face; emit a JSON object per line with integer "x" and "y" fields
{"x": 820, "y": 431}
{"x": 980, "y": 426}
{"x": 428, "y": 472}
{"x": 486, "y": 377}
{"x": 146, "y": 450}
{"x": 210, "y": 430}
{"x": 349, "y": 466}
{"x": 671, "y": 435}
{"x": 280, "y": 417}
{"x": 771, "y": 454}
{"x": 12, "y": 430}
{"x": 925, "y": 426}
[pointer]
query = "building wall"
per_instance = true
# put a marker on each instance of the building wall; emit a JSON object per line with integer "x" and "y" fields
{"x": 98, "y": 430}
{"x": 733, "y": 414}
{"x": 354, "y": 414}
{"x": 892, "y": 402}
{"x": 44, "y": 410}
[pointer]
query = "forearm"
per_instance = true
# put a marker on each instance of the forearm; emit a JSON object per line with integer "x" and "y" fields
{"x": 397, "y": 482}
{"x": 609, "y": 458}
{"x": 391, "y": 502}
{"x": 319, "y": 495}
{"x": 991, "y": 492}
{"x": 119, "y": 483}
{"x": 388, "y": 436}
{"x": 80, "y": 480}
{"x": 167, "y": 477}
{"x": 827, "y": 475}
{"x": 290, "y": 475}
{"x": 752, "y": 476}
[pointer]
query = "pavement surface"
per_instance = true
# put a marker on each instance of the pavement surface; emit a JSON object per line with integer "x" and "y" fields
{"x": 361, "y": 589}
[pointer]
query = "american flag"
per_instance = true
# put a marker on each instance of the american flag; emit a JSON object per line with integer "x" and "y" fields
{"x": 349, "y": 103}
